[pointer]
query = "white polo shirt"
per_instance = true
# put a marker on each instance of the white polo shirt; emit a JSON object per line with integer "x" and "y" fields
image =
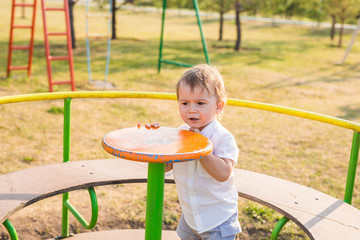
{"x": 205, "y": 202}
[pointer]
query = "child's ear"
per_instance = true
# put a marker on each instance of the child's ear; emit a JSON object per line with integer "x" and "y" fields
{"x": 220, "y": 106}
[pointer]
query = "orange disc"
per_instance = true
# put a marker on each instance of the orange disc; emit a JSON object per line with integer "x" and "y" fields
{"x": 157, "y": 145}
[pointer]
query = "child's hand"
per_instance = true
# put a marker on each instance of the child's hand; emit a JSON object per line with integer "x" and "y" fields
{"x": 195, "y": 130}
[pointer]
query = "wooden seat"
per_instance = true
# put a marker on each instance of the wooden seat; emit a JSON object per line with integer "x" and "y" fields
{"x": 319, "y": 215}
{"x": 22, "y": 188}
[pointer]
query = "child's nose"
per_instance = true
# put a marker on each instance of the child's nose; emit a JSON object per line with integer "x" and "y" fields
{"x": 192, "y": 108}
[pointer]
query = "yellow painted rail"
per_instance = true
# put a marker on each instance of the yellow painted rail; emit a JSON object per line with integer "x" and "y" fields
{"x": 171, "y": 96}
{"x": 67, "y": 96}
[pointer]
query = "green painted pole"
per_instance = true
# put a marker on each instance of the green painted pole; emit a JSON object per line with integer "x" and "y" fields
{"x": 94, "y": 212}
{"x": 66, "y": 158}
{"x": 155, "y": 201}
{"x": 350, "y": 181}
{"x": 162, "y": 35}
{"x": 196, "y": 6}
{"x": 275, "y": 233}
{"x": 11, "y": 229}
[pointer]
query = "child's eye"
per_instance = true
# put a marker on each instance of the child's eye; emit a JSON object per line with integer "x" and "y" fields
{"x": 184, "y": 103}
{"x": 201, "y": 103}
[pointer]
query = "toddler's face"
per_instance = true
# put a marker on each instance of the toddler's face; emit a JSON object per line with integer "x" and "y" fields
{"x": 197, "y": 107}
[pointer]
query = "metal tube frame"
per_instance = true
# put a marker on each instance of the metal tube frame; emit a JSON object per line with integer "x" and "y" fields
{"x": 66, "y": 205}
{"x": 154, "y": 201}
{"x": 196, "y": 7}
{"x": 350, "y": 181}
{"x": 11, "y": 230}
{"x": 276, "y": 231}
{"x": 156, "y": 185}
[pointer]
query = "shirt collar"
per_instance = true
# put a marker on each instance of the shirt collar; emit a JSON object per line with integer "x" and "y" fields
{"x": 209, "y": 129}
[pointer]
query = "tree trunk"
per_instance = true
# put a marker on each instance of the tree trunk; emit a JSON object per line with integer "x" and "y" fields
{"x": 221, "y": 26}
{"x": 238, "y": 25}
{"x": 333, "y": 22}
{"x": 113, "y": 20}
{"x": 221, "y": 19}
{"x": 71, "y": 16}
{"x": 341, "y": 32}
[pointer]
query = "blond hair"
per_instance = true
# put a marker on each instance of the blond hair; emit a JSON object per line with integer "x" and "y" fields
{"x": 204, "y": 76}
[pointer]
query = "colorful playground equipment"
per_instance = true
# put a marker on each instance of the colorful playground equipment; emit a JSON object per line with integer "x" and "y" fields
{"x": 161, "y": 59}
{"x": 157, "y": 147}
{"x": 29, "y": 47}
{"x": 45, "y": 11}
{"x": 319, "y": 215}
{"x": 106, "y": 35}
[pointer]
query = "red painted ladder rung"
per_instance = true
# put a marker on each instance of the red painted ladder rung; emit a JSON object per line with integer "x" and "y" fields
{"x": 22, "y": 26}
{"x": 54, "y": 9}
{"x": 18, "y": 67}
{"x": 67, "y": 33}
{"x": 61, "y": 82}
{"x": 57, "y": 34}
{"x": 20, "y": 47}
{"x": 52, "y": 58}
{"x": 12, "y": 35}
{"x": 23, "y": 5}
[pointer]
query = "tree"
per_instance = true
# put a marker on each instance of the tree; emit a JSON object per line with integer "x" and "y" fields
{"x": 342, "y": 10}
{"x": 221, "y": 7}
{"x": 71, "y": 16}
{"x": 238, "y": 25}
{"x": 314, "y": 9}
{"x": 113, "y": 19}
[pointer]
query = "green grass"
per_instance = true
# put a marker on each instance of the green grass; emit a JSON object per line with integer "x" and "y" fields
{"x": 288, "y": 65}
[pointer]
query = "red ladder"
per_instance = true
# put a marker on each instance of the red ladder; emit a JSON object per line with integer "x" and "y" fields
{"x": 67, "y": 33}
{"x": 29, "y": 47}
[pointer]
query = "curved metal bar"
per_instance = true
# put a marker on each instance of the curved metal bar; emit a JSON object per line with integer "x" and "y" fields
{"x": 171, "y": 96}
{"x": 281, "y": 223}
{"x": 11, "y": 229}
{"x": 94, "y": 207}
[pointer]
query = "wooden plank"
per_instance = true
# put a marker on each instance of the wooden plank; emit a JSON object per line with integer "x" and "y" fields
{"x": 133, "y": 234}
{"x": 318, "y": 214}
{"x": 22, "y": 188}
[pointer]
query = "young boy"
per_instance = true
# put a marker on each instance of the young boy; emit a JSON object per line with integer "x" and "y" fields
{"x": 206, "y": 189}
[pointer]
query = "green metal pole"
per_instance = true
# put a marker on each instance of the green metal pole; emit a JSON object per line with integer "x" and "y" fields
{"x": 66, "y": 158}
{"x": 278, "y": 227}
{"x": 155, "y": 201}
{"x": 354, "y": 154}
{"x": 196, "y": 6}
{"x": 66, "y": 141}
{"x": 11, "y": 229}
{"x": 162, "y": 35}
{"x": 94, "y": 212}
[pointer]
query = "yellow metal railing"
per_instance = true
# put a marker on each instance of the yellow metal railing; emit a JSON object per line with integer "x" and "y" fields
{"x": 171, "y": 96}
{"x": 67, "y": 96}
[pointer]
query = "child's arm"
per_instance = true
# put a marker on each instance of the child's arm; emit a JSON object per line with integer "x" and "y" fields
{"x": 218, "y": 168}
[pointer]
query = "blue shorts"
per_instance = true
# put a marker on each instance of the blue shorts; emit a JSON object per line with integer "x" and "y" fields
{"x": 225, "y": 231}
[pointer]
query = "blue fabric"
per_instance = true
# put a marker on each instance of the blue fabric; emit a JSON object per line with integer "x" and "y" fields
{"x": 226, "y": 231}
